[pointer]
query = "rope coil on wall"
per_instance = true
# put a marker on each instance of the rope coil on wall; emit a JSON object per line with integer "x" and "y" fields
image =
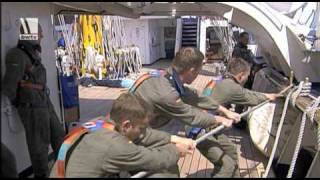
{"x": 122, "y": 58}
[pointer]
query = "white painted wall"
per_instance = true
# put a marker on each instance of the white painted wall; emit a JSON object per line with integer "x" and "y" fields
{"x": 10, "y": 13}
{"x": 135, "y": 32}
{"x": 148, "y": 35}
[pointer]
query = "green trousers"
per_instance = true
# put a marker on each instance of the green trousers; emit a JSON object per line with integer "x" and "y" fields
{"x": 220, "y": 151}
{"x": 42, "y": 128}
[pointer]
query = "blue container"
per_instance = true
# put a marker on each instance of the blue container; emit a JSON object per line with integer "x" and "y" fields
{"x": 70, "y": 92}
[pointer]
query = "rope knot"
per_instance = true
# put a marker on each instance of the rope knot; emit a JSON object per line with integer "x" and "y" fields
{"x": 304, "y": 89}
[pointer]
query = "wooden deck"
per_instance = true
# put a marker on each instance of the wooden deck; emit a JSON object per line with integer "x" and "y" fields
{"x": 97, "y": 101}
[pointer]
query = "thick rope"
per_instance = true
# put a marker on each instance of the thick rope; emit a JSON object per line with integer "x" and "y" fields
{"x": 311, "y": 109}
{"x": 311, "y": 114}
{"x": 296, "y": 94}
{"x": 318, "y": 137}
{"x": 304, "y": 89}
{"x": 298, "y": 145}
{"x": 273, "y": 152}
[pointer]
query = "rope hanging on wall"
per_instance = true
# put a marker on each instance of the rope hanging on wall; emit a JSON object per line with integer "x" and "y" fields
{"x": 122, "y": 60}
{"x": 224, "y": 34}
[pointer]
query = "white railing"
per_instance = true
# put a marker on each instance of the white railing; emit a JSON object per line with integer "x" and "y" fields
{"x": 178, "y": 36}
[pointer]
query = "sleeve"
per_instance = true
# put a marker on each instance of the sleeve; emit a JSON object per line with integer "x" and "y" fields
{"x": 236, "y": 52}
{"x": 175, "y": 107}
{"x": 153, "y": 138}
{"x": 199, "y": 101}
{"x": 15, "y": 68}
{"x": 244, "y": 96}
{"x": 127, "y": 156}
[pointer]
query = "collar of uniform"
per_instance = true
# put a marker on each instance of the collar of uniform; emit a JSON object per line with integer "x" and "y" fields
{"x": 230, "y": 76}
{"x": 240, "y": 45}
{"x": 174, "y": 76}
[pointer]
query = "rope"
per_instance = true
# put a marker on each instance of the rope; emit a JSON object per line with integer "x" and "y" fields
{"x": 304, "y": 89}
{"x": 225, "y": 36}
{"x": 221, "y": 127}
{"x": 318, "y": 137}
{"x": 121, "y": 57}
{"x": 298, "y": 145}
{"x": 202, "y": 138}
{"x": 71, "y": 37}
{"x": 284, "y": 112}
{"x": 311, "y": 109}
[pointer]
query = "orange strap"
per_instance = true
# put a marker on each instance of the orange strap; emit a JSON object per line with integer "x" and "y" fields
{"x": 211, "y": 84}
{"x": 69, "y": 140}
{"x": 31, "y": 86}
{"x": 139, "y": 81}
{"x": 207, "y": 91}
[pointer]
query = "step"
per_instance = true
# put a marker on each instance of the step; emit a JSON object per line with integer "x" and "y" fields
{"x": 189, "y": 35}
{"x": 189, "y": 31}
{"x": 193, "y": 45}
{"x": 190, "y": 24}
{"x": 189, "y": 39}
{"x": 189, "y": 27}
{"x": 189, "y": 21}
{"x": 188, "y": 43}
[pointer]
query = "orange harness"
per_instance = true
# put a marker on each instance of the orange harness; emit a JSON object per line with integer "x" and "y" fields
{"x": 139, "y": 81}
{"x": 207, "y": 91}
{"x": 71, "y": 139}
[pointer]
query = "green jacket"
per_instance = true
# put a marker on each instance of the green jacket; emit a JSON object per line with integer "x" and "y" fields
{"x": 19, "y": 67}
{"x": 105, "y": 153}
{"x": 229, "y": 91}
{"x": 172, "y": 100}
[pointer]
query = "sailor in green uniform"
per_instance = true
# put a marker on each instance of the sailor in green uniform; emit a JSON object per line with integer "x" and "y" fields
{"x": 25, "y": 85}
{"x": 231, "y": 90}
{"x": 172, "y": 101}
{"x": 110, "y": 152}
